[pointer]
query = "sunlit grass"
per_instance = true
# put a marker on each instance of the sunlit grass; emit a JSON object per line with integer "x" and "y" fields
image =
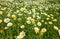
{"x": 25, "y": 20}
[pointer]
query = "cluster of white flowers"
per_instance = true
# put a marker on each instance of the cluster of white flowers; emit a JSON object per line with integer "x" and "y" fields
{"x": 7, "y": 20}
{"x": 56, "y": 28}
{"x": 28, "y": 17}
{"x": 42, "y": 31}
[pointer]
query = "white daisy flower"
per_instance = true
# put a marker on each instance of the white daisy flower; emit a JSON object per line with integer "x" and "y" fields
{"x": 33, "y": 10}
{"x": 55, "y": 27}
{"x": 42, "y": 20}
{"x": 9, "y": 24}
{"x": 43, "y": 31}
{"x": 50, "y": 22}
{"x": 22, "y": 26}
{"x": 22, "y": 34}
{"x": 6, "y": 20}
{"x": 13, "y": 16}
{"x": 28, "y": 22}
{"x": 39, "y": 23}
{"x": 54, "y": 20}
{"x": 59, "y": 32}
{"x": 36, "y": 29}
{"x": 23, "y": 9}
{"x": 6, "y": 28}
{"x": 19, "y": 37}
{"x": 8, "y": 15}
{"x": 47, "y": 18}
{"x": 29, "y": 18}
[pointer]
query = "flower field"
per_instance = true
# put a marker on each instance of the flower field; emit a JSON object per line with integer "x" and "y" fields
{"x": 29, "y": 20}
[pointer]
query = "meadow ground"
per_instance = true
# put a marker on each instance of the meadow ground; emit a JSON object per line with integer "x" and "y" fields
{"x": 29, "y": 20}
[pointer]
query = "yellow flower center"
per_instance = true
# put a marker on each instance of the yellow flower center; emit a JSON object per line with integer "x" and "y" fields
{"x": 19, "y": 38}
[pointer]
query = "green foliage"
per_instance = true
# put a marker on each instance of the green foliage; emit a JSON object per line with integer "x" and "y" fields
{"x": 51, "y": 8}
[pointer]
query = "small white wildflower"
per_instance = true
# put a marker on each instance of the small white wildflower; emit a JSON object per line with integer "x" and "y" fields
{"x": 38, "y": 17}
{"x": 13, "y": 16}
{"x": 59, "y": 32}
{"x": 52, "y": 17}
{"x": 36, "y": 29}
{"x": 48, "y": 15}
{"x": 46, "y": 8}
{"x": 22, "y": 26}
{"x": 19, "y": 37}
{"x": 51, "y": 14}
{"x": 6, "y": 28}
{"x": 47, "y": 18}
{"x": 6, "y": 20}
{"x": 22, "y": 34}
{"x": 23, "y": 9}
{"x": 39, "y": 23}
{"x": 55, "y": 27}
{"x": 28, "y": 22}
{"x": 33, "y": 16}
{"x": 43, "y": 31}
{"x": 45, "y": 14}
{"x": 8, "y": 15}
{"x": 9, "y": 24}
{"x": 20, "y": 14}
{"x": 29, "y": 18}
{"x": 42, "y": 20}
{"x": 54, "y": 20}
{"x": 45, "y": 22}
{"x": 33, "y": 10}
{"x": 50, "y": 22}
{"x": 33, "y": 21}
{"x": 17, "y": 11}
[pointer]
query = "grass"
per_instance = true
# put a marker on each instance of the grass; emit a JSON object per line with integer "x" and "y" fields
{"x": 52, "y": 10}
